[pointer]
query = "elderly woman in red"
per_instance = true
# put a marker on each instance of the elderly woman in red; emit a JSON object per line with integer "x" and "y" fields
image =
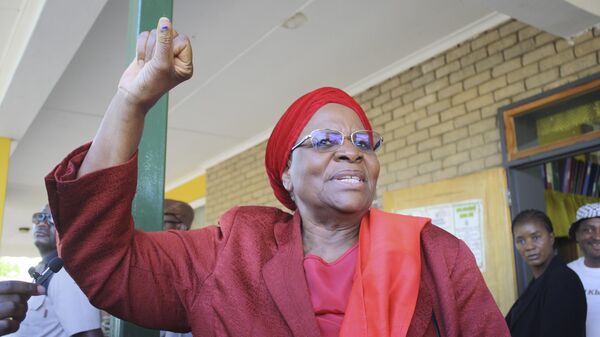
{"x": 334, "y": 267}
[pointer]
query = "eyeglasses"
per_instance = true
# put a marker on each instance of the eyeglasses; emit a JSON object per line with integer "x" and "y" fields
{"x": 172, "y": 224}
{"x": 325, "y": 140}
{"x": 38, "y": 218}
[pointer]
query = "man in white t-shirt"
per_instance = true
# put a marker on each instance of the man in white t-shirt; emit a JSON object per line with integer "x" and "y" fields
{"x": 64, "y": 311}
{"x": 586, "y": 231}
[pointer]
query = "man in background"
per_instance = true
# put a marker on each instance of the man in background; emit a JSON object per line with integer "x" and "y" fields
{"x": 177, "y": 215}
{"x": 586, "y": 231}
{"x": 64, "y": 310}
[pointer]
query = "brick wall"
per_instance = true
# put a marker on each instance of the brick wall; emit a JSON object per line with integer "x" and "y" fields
{"x": 438, "y": 118}
{"x": 240, "y": 180}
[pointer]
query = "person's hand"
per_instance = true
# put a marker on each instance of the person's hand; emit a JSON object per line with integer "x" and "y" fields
{"x": 163, "y": 60}
{"x": 13, "y": 303}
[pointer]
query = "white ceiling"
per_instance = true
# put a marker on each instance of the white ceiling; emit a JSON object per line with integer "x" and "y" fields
{"x": 59, "y": 72}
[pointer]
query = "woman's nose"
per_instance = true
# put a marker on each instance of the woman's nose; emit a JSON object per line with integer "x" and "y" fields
{"x": 348, "y": 151}
{"x": 529, "y": 245}
{"x": 43, "y": 223}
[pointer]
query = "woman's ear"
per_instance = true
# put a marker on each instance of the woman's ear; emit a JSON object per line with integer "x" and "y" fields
{"x": 286, "y": 179}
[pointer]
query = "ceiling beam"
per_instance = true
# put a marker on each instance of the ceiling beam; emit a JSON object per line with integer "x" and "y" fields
{"x": 557, "y": 17}
{"x": 44, "y": 40}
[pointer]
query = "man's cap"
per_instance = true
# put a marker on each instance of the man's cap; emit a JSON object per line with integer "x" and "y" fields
{"x": 584, "y": 212}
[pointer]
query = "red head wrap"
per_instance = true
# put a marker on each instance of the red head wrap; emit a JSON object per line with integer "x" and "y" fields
{"x": 288, "y": 129}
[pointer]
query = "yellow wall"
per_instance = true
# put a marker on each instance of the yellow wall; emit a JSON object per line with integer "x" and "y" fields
{"x": 190, "y": 191}
{"x": 490, "y": 187}
{"x": 4, "y": 156}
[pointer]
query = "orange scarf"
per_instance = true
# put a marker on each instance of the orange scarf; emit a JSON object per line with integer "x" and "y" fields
{"x": 386, "y": 284}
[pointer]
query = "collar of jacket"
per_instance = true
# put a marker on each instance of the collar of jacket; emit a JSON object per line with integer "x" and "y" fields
{"x": 282, "y": 274}
{"x": 284, "y": 270}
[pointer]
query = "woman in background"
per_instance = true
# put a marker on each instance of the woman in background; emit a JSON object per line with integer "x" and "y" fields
{"x": 554, "y": 302}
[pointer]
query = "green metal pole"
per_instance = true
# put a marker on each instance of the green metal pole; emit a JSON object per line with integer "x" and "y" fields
{"x": 148, "y": 203}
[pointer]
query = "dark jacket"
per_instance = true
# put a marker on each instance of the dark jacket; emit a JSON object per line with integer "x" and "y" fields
{"x": 243, "y": 278}
{"x": 553, "y": 305}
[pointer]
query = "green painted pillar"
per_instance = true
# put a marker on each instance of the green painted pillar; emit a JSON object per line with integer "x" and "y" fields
{"x": 148, "y": 203}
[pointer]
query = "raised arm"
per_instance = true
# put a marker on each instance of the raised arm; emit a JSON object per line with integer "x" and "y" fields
{"x": 163, "y": 60}
{"x": 132, "y": 274}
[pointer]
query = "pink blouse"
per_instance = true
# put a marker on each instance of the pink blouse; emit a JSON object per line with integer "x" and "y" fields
{"x": 330, "y": 285}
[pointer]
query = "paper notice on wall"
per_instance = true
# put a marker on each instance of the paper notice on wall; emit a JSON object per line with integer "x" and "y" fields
{"x": 464, "y": 219}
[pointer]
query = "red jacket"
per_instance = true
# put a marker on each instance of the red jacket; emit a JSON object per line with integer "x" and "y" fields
{"x": 243, "y": 278}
